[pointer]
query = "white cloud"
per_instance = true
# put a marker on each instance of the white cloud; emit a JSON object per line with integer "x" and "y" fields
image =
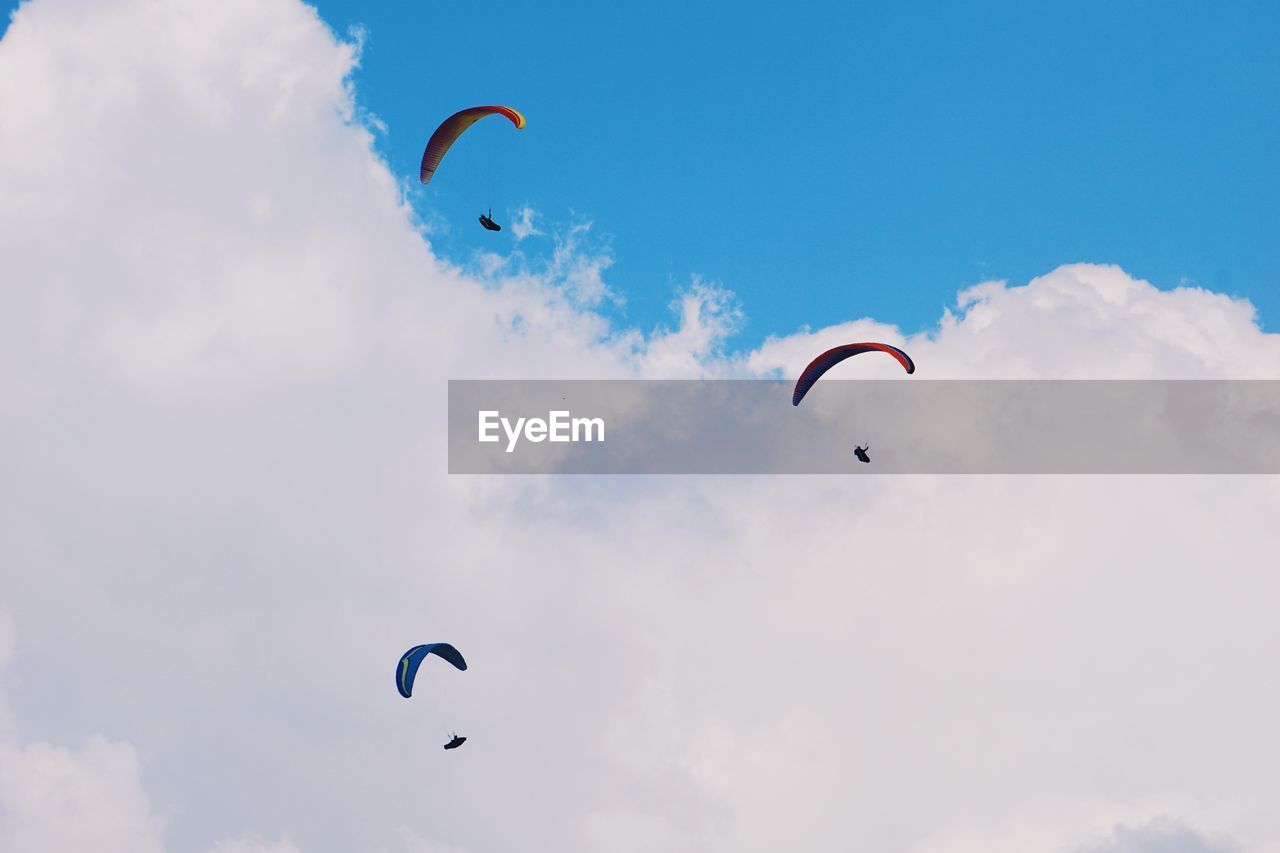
{"x": 695, "y": 348}
{"x": 54, "y": 800}
{"x": 523, "y": 226}
{"x": 225, "y": 513}
{"x": 1080, "y": 321}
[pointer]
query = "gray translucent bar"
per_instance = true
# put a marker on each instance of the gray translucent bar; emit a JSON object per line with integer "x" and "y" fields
{"x": 914, "y": 426}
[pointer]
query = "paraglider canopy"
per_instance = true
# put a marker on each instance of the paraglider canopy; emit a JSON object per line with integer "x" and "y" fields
{"x": 835, "y": 355}
{"x": 455, "y": 742}
{"x": 407, "y": 668}
{"x": 453, "y": 127}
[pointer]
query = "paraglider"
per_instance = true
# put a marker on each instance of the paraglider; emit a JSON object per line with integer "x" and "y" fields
{"x": 834, "y": 356}
{"x": 861, "y": 452}
{"x": 487, "y": 221}
{"x": 407, "y": 673}
{"x": 453, "y": 127}
{"x": 407, "y": 668}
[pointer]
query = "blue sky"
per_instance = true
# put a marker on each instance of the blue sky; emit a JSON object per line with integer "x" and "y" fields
{"x": 833, "y": 160}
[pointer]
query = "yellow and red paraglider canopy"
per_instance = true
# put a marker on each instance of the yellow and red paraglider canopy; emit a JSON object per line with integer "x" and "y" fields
{"x": 453, "y": 127}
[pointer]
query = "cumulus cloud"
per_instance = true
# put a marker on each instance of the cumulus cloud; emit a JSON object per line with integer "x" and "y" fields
{"x": 1080, "y": 321}
{"x": 55, "y": 799}
{"x": 225, "y": 513}
{"x": 708, "y": 314}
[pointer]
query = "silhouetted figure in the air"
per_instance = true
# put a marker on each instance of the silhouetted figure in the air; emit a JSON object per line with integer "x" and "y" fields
{"x": 487, "y": 221}
{"x": 861, "y": 452}
{"x": 455, "y": 742}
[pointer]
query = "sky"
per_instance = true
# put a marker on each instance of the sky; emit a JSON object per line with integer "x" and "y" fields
{"x": 838, "y": 160}
{"x": 227, "y": 320}
{"x": 842, "y": 160}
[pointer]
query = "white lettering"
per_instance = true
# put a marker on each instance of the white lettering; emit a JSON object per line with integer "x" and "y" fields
{"x": 513, "y": 435}
{"x": 591, "y": 425}
{"x": 486, "y": 424}
{"x": 559, "y": 427}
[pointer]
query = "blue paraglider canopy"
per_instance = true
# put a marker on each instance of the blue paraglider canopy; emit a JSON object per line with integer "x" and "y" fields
{"x": 407, "y": 668}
